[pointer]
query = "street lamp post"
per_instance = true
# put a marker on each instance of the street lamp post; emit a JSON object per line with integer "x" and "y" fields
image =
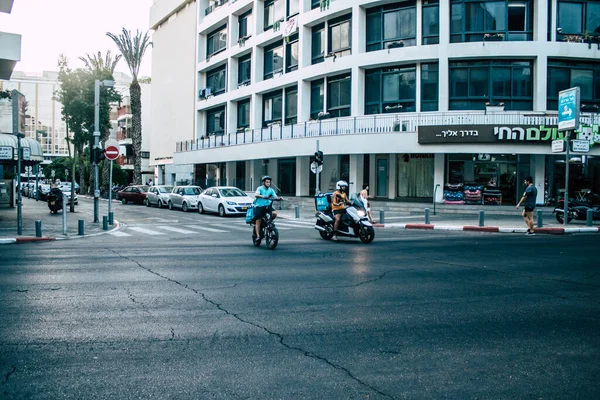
{"x": 98, "y": 83}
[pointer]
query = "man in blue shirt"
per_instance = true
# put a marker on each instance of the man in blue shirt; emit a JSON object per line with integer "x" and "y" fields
{"x": 529, "y": 198}
{"x": 262, "y": 204}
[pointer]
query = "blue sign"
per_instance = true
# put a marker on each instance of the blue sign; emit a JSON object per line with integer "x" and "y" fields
{"x": 568, "y": 109}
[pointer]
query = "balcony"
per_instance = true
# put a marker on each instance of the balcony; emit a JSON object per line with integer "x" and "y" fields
{"x": 216, "y": 4}
{"x": 373, "y": 124}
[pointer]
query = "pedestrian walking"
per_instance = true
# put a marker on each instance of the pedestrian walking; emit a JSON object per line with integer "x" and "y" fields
{"x": 529, "y": 200}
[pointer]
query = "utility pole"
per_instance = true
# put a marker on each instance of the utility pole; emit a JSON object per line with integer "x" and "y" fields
{"x": 98, "y": 83}
{"x": 16, "y": 108}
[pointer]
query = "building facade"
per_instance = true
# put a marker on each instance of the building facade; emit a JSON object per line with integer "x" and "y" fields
{"x": 454, "y": 101}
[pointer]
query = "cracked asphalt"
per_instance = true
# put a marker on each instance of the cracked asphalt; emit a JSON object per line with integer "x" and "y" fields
{"x": 413, "y": 315}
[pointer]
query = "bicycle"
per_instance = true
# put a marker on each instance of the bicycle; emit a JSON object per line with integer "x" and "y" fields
{"x": 268, "y": 230}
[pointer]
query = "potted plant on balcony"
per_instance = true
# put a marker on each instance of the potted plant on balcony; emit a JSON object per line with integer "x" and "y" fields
{"x": 591, "y": 38}
{"x": 494, "y": 107}
{"x": 331, "y": 54}
{"x": 493, "y": 37}
{"x": 395, "y": 45}
{"x": 573, "y": 38}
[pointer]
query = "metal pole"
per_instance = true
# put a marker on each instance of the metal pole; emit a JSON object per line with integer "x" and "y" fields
{"x": 481, "y": 218}
{"x": 15, "y": 120}
{"x": 96, "y": 143}
{"x": 38, "y": 228}
{"x": 540, "y": 222}
{"x": 64, "y": 214}
{"x": 566, "y": 208}
{"x": 110, "y": 188}
{"x": 318, "y": 188}
{"x": 427, "y": 218}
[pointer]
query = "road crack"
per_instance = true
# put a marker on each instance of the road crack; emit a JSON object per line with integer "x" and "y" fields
{"x": 12, "y": 371}
{"x": 280, "y": 338}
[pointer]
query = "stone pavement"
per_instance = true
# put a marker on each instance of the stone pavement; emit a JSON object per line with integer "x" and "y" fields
{"x": 503, "y": 219}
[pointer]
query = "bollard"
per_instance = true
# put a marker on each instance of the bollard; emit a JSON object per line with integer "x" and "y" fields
{"x": 481, "y": 218}
{"x": 540, "y": 221}
{"x": 297, "y": 212}
{"x": 38, "y": 228}
{"x": 105, "y": 222}
{"x": 381, "y": 217}
{"x": 111, "y": 218}
{"x": 81, "y": 228}
{"x": 590, "y": 218}
{"x": 427, "y": 220}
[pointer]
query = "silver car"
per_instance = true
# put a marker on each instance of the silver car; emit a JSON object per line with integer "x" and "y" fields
{"x": 184, "y": 197}
{"x": 158, "y": 195}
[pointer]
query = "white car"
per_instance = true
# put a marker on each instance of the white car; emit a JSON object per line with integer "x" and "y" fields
{"x": 158, "y": 195}
{"x": 184, "y": 197}
{"x": 224, "y": 200}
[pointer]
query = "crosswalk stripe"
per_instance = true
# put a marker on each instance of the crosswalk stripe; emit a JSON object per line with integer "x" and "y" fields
{"x": 278, "y": 224}
{"x": 172, "y": 229}
{"x": 146, "y": 231}
{"x": 119, "y": 233}
{"x": 204, "y": 228}
{"x": 237, "y": 228}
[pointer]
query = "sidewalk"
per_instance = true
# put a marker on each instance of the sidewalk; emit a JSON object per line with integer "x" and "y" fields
{"x": 52, "y": 224}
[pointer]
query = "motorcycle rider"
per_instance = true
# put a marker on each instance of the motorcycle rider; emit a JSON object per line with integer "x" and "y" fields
{"x": 263, "y": 206}
{"x": 339, "y": 199}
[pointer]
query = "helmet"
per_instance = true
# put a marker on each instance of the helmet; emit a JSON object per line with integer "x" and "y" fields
{"x": 264, "y": 178}
{"x": 341, "y": 184}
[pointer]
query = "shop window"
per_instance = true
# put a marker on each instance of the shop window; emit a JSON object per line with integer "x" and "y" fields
{"x": 476, "y": 84}
{"x": 291, "y": 106}
{"x": 273, "y": 59}
{"x": 243, "y": 114}
{"x": 272, "y": 108}
{"x": 244, "y": 70}
{"x": 339, "y": 96}
{"x": 393, "y": 25}
{"x": 482, "y": 20}
{"x": 215, "y": 80}
{"x": 564, "y": 75}
{"x": 215, "y": 121}
{"x": 216, "y": 41}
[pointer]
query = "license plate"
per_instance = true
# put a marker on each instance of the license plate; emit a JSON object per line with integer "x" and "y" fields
{"x": 244, "y": 208}
{"x": 52, "y": 203}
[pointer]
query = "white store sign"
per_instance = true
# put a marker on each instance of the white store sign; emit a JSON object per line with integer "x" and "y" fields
{"x": 6, "y": 153}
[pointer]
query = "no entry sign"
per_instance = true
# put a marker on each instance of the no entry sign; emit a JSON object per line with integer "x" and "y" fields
{"x": 111, "y": 152}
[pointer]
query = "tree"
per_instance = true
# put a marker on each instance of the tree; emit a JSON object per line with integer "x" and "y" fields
{"x": 133, "y": 49}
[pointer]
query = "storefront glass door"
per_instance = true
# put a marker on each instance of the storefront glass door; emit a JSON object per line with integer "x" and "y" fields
{"x": 382, "y": 177}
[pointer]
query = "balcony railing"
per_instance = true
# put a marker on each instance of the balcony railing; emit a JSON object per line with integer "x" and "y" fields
{"x": 373, "y": 124}
{"x": 216, "y": 4}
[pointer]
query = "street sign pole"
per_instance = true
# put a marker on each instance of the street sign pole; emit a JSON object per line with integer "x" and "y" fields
{"x": 566, "y": 208}
{"x": 318, "y": 189}
{"x": 15, "y": 125}
{"x": 568, "y": 121}
{"x": 110, "y": 188}
{"x": 111, "y": 152}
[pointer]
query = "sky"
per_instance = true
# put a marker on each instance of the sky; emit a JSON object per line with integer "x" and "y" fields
{"x": 74, "y": 28}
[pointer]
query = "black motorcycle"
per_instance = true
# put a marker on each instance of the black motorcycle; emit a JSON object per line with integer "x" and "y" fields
{"x": 55, "y": 200}
{"x": 578, "y": 209}
{"x": 268, "y": 230}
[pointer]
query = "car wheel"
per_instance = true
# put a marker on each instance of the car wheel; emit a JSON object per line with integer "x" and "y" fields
{"x": 170, "y": 205}
{"x": 147, "y": 202}
{"x": 222, "y": 211}
{"x": 159, "y": 203}
{"x": 124, "y": 201}
{"x": 201, "y": 208}
{"x": 184, "y": 207}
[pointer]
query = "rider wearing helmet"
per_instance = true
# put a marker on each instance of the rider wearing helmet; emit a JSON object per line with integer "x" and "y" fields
{"x": 338, "y": 204}
{"x": 264, "y": 192}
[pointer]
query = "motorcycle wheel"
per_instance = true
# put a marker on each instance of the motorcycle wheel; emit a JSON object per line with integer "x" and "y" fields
{"x": 561, "y": 219}
{"x": 272, "y": 237}
{"x": 366, "y": 234}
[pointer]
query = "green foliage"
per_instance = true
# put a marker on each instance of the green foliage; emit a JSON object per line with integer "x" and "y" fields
{"x": 120, "y": 176}
{"x": 59, "y": 165}
{"x": 132, "y": 48}
{"x": 5, "y": 94}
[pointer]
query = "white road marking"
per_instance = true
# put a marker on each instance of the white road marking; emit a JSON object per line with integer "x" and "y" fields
{"x": 203, "y": 228}
{"x": 119, "y": 233}
{"x": 146, "y": 231}
{"x": 278, "y": 224}
{"x": 172, "y": 229}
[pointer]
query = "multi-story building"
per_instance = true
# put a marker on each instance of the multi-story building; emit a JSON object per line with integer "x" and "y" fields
{"x": 10, "y": 45}
{"x": 407, "y": 96}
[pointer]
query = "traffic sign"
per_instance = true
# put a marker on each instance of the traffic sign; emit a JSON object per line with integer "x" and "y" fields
{"x": 558, "y": 146}
{"x": 111, "y": 153}
{"x": 314, "y": 167}
{"x": 568, "y": 109}
{"x": 581, "y": 146}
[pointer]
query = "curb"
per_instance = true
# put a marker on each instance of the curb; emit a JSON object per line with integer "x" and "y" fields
{"x": 29, "y": 239}
{"x": 491, "y": 229}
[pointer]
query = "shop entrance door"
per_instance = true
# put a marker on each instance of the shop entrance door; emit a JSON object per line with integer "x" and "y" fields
{"x": 382, "y": 177}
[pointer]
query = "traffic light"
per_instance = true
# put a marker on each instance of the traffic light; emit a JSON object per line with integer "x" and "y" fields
{"x": 96, "y": 155}
{"x": 319, "y": 157}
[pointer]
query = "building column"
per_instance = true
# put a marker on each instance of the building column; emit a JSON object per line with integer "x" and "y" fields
{"x": 230, "y": 173}
{"x": 358, "y": 91}
{"x": 359, "y": 27}
{"x": 439, "y": 166}
{"x": 302, "y": 175}
{"x": 256, "y": 111}
{"x": 356, "y": 172}
{"x": 538, "y": 171}
{"x": 392, "y": 173}
{"x": 231, "y": 118}
{"x": 540, "y": 22}
{"x": 303, "y": 101}
{"x": 540, "y": 87}
{"x": 372, "y": 174}
{"x": 272, "y": 170}
{"x": 444, "y": 75}
{"x": 255, "y": 172}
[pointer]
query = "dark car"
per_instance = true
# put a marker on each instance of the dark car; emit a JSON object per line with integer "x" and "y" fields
{"x": 133, "y": 194}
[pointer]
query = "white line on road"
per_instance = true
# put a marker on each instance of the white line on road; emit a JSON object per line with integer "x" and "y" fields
{"x": 119, "y": 233}
{"x": 172, "y": 229}
{"x": 203, "y": 228}
{"x": 278, "y": 224}
{"x": 146, "y": 231}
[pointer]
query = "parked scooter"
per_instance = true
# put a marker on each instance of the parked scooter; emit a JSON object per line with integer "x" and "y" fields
{"x": 55, "y": 200}
{"x": 354, "y": 223}
{"x": 578, "y": 209}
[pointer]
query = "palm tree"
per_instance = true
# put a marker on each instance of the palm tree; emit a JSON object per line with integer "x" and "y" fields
{"x": 133, "y": 49}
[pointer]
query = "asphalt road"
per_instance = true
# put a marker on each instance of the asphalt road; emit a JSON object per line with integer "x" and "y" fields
{"x": 415, "y": 314}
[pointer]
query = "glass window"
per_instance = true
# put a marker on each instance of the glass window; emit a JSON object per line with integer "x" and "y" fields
{"x": 339, "y": 96}
{"x": 216, "y": 41}
{"x": 291, "y": 106}
{"x": 274, "y": 11}
{"x": 318, "y": 44}
{"x": 592, "y": 18}
{"x": 429, "y": 86}
{"x": 391, "y": 90}
{"x": 522, "y": 84}
{"x": 585, "y": 80}
{"x": 374, "y": 31}
{"x": 245, "y": 24}
{"x": 431, "y": 24}
{"x": 340, "y": 37}
{"x": 215, "y": 80}
{"x": 293, "y": 7}
{"x": 244, "y": 70}
{"x": 392, "y": 23}
{"x": 291, "y": 54}
{"x": 272, "y": 108}
{"x": 215, "y": 121}
{"x": 243, "y": 114}
{"x": 317, "y": 93}
{"x": 570, "y": 17}
{"x": 273, "y": 59}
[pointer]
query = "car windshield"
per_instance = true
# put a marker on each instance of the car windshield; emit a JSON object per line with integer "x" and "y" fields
{"x": 234, "y": 192}
{"x": 143, "y": 189}
{"x": 191, "y": 191}
{"x": 165, "y": 189}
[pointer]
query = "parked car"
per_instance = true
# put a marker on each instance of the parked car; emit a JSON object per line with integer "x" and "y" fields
{"x": 184, "y": 197}
{"x": 66, "y": 187}
{"x": 133, "y": 194}
{"x": 68, "y": 194}
{"x": 224, "y": 200}
{"x": 158, "y": 195}
{"x": 44, "y": 190}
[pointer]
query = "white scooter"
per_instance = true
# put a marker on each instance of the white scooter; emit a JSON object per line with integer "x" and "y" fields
{"x": 354, "y": 223}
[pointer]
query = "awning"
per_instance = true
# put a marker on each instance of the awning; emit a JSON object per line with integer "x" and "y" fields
{"x": 32, "y": 150}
